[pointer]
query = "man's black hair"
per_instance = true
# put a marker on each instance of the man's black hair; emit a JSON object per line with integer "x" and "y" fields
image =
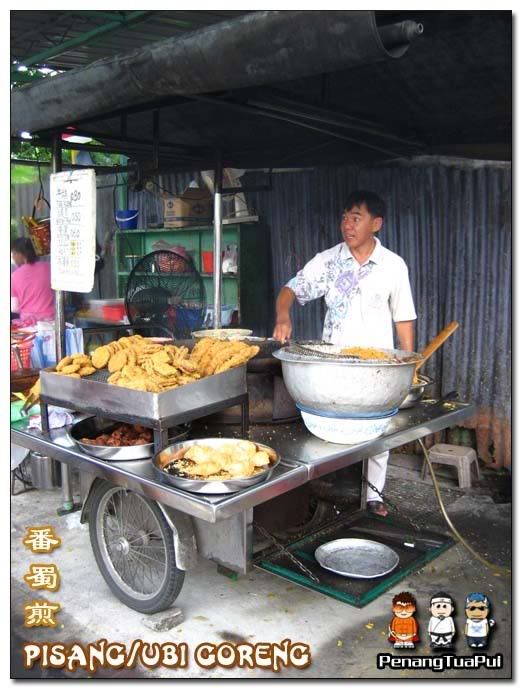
{"x": 442, "y": 594}
{"x": 24, "y": 246}
{"x": 370, "y": 199}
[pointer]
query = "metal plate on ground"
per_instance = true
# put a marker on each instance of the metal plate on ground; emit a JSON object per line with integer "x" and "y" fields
{"x": 357, "y": 557}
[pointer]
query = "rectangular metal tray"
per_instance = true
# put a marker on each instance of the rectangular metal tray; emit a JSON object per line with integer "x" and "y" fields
{"x": 90, "y": 394}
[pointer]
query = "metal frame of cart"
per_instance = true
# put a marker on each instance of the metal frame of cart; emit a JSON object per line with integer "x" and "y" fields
{"x": 192, "y": 524}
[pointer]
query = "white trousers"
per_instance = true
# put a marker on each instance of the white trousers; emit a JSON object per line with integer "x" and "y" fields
{"x": 376, "y": 474}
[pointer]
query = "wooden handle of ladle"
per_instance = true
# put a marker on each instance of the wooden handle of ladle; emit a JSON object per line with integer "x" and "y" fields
{"x": 437, "y": 342}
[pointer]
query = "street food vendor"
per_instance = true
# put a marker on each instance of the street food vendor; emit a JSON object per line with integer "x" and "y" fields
{"x": 367, "y": 291}
{"x": 31, "y": 293}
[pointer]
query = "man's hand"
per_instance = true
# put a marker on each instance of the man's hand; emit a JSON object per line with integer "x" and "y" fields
{"x": 282, "y": 330}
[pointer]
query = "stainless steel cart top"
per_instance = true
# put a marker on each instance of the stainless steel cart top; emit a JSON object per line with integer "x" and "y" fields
{"x": 303, "y": 457}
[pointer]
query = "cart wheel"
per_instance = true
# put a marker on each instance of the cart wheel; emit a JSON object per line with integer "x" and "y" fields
{"x": 133, "y": 547}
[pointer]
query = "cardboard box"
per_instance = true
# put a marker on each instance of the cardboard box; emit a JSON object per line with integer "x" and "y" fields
{"x": 192, "y": 207}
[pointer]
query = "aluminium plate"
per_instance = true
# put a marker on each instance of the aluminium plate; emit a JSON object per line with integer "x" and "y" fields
{"x": 360, "y": 558}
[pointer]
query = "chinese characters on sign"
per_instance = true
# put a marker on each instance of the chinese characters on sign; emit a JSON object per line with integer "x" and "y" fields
{"x": 73, "y": 230}
{"x": 41, "y": 613}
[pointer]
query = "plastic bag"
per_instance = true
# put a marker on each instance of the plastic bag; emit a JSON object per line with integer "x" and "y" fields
{"x": 229, "y": 264}
{"x": 43, "y": 353}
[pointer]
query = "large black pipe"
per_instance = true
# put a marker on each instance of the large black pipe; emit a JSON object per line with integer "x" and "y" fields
{"x": 398, "y": 36}
{"x": 257, "y": 48}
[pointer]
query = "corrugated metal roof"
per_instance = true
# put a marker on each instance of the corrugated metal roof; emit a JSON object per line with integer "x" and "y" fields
{"x": 449, "y": 94}
{"x": 35, "y": 31}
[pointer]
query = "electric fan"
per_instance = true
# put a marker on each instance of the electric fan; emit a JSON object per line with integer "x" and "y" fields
{"x": 166, "y": 289}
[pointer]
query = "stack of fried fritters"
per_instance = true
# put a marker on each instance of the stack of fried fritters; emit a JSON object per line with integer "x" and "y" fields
{"x": 141, "y": 364}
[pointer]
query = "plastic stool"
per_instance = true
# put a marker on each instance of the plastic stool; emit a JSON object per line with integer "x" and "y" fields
{"x": 463, "y": 458}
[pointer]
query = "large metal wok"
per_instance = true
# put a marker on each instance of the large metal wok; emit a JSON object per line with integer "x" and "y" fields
{"x": 321, "y": 380}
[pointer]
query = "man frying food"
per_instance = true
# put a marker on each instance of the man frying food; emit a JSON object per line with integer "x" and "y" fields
{"x": 366, "y": 290}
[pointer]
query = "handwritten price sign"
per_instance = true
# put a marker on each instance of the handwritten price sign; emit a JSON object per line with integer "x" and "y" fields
{"x": 73, "y": 236}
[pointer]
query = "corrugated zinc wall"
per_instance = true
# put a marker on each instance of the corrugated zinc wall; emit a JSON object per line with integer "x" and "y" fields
{"x": 451, "y": 222}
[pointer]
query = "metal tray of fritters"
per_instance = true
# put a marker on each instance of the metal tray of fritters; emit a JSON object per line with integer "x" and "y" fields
{"x": 359, "y": 558}
{"x": 94, "y": 426}
{"x": 93, "y": 394}
{"x": 214, "y": 486}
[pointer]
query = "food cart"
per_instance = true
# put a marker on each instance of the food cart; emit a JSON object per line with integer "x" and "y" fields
{"x": 132, "y": 514}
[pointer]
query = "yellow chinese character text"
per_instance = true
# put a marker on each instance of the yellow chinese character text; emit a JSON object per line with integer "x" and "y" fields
{"x": 43, "y": 577}
{"x": 41, "y": 539}
{"x": 40, "y": 613}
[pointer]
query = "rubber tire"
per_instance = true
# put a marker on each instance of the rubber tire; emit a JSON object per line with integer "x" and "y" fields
{"x": 173, "y": 584}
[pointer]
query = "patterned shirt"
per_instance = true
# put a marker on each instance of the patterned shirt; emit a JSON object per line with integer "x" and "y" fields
{"x": 362, "y": 301}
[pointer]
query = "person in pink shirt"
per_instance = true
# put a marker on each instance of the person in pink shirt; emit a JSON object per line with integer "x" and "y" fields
{"x": 31, "y": 293}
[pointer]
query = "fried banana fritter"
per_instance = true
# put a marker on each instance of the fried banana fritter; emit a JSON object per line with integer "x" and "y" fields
{"x": 66, "y": 361}
{"x": 139, "y": 364}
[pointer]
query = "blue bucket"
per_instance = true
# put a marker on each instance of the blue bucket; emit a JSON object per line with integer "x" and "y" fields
{"x": 127, "y": 220}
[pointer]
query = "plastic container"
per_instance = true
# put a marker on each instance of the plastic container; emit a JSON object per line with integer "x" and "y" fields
{"x": 127, "y": 219}
{"x": 188, "y": 319}
{"x": 114, "y": 313}
{"x": 226, "y": 315}
{"x": 96, "y": 306}
{"x": 25, "y": 356}
{"x": 207, "y": 261}
{"x": 45, "y": 326}
{"x": 129, "y": 261}
{"x": 343, "y": 430}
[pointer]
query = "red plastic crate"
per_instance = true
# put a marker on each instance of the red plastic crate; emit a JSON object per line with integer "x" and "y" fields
{"x": 25, "y": 355}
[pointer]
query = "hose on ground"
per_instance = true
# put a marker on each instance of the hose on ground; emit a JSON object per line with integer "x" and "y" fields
{"x": 497, "y": 571}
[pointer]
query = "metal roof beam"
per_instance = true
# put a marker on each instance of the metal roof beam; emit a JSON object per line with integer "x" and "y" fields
{"x": 87, "y": 37}
{"x": 116, "y": 16}
{"x": 105, "y": 136}
{"x": 261, "y": 112}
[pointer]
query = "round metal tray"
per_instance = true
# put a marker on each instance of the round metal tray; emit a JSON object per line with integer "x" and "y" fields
{"x": 222, "y": 333}
{"x": 177, "y": 451}
{"x": 359, "y": 558}
{"x": 94, "y": 426}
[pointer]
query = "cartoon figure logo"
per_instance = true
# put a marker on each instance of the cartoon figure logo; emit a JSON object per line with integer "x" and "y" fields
{"x": 477, "y": 625}
{"x": 441, "y": 627}
{"x": 403, "y": 629}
